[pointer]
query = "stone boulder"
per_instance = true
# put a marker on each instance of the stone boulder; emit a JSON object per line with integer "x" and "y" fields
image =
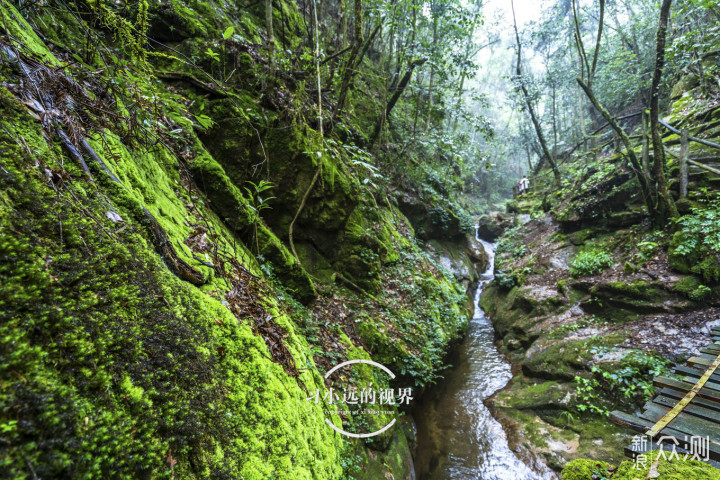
{"x": 492, "y": 225}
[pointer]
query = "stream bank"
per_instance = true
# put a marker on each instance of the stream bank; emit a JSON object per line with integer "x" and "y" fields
{"x": 585, "y": 342}
{"x": 458, "y": 438}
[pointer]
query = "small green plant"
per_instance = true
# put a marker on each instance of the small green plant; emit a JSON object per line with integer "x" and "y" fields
{"x": 600, "y": 473}
{"x": 630, "y": 382}
{"x": 568, "y": 417}
{"x": 701, "y": 293}
{"x": 645, "y": 251}
{"x": 226, "y": 34}
{"x": 696, "y": 246}
{"x": 214, "y": 55}
{"x": 590, "y": 262}
{"x": 505, "y": 280}
{"x": 257, "y": 203}
{"x": 584, "y": 322}
{"x": 562, "y": 286}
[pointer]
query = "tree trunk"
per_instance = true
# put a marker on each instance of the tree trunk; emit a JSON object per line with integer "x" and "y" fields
{"x": 433, "y": 54}
{"x": 393, "y": 100}
{"x": 343, "y": 7}
{"x": 665, "y": 204}
{"x": 581, "y": 111}
{"x": 634, "y": 162}
{"x": 528, "y": 104}
{"x": 270, "y": 33}
{"x": 684, "y": 163}
{"x": 554, "y": 124}
{"x": 350, "y": 64}
{"x": 645, "y": 146}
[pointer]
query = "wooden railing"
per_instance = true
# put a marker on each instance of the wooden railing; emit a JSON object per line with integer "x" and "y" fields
{"x": 684, "y": 155}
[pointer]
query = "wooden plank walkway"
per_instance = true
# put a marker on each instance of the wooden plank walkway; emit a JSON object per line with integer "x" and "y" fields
{"x": 686, "y": 407}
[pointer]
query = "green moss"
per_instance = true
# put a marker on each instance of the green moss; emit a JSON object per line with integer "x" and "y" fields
{"x": 17, "y": 27}
{"x": 590, "y": 262}
{"x": 566, "y": 359}
{"x": 367, "y": 243}
{"x": 228, "y": 201}
{"x": 686, "y": 285}
{"x": 501, "y": 307}
{"x": 524, "y": 395}
{"x": 584, "y": 469}
{"x": 694, "y": 247}
{"x": 682, "y": 260}
{"x": 117, "y": 368}
{"x": 580, "y": 237}
{"x": 161, "y": 367}
{"x": 638, "y": 289}
{"x": 151, "y": 178}
{"x": 675, "y": 469}
{"x": 599, "y": 438}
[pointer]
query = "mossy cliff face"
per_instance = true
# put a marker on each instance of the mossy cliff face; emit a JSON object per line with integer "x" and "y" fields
{"x": 119, "y": 365}
{"x": 111, "y": 365}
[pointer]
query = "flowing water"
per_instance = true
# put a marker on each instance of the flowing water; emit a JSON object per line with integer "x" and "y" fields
{"x": 457, "y": 436}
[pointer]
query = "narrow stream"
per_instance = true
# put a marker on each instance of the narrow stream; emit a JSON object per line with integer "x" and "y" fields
{"x": 457, "y": 436}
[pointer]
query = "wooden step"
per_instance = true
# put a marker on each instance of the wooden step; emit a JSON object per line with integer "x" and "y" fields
{"x": 642, "y": 425}
{"x": 695, "y": 373}
{"x": 677, "y": 396}
{"x": 703, "y": 361}
{"x": 694, "y": 410}
{"x": 683, "y": 386}
{"x": 683, "y": 422}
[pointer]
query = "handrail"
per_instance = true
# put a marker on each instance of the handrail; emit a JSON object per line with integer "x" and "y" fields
{"x": 694, "y": 139}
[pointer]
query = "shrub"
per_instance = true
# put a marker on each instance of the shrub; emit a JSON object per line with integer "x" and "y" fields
{"x": 629, "y": 382}
{"x": 506, "y": 280}
{"x": 701, "y": 293}
{"x": 696, "y": 246}
{"x": 590, "y": 262}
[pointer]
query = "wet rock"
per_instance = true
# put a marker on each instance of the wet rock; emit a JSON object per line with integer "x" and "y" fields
{"x": 685, "y": 84}
{"x": 478, "y": 255}
{"x": 625, "y": 218}
{"x": 513, "y": 344}
{"x": 492, "y": 225}
{"x": 523, "y": 218}
{"x": 466, "y": 260}
{"x": 430, "y": 220}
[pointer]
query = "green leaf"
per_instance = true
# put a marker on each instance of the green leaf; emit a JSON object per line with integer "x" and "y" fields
{"x": 204, "y": 121}
{"x": 228, "y": 32}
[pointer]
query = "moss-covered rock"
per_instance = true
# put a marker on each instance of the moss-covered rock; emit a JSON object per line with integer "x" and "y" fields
{"x": 230, "y": 204}
{"x": 686, "y": 255}
{"x": 584, "y": 469}
{"x": 492, "y": 225}
{"x": 433, "y": 220}
{"x": 677, "y": 468}
{"x": 147, "y": 368}
{"x": 113, "y": 366}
